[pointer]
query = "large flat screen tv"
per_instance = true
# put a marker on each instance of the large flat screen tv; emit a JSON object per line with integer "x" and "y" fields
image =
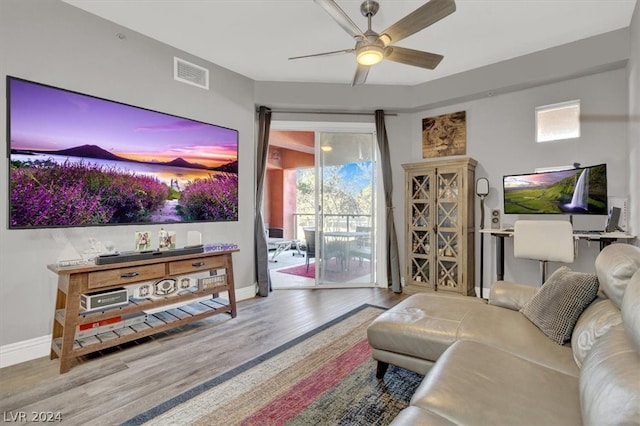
{"x": 581, "y": 190}
{"x": 79, "y": 160}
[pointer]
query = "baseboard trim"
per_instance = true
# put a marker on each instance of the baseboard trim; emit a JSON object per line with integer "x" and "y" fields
{"x": 246, "y": 292}
{"x": 26, "y": 350}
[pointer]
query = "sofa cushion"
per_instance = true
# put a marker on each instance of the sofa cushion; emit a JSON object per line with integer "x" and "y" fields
{"x": 419, "y": 417}
{"x": 560, "y": 301}
{"x": 594, "y": 322}
{"x": 615, "y": 265}
{"x": 475, "y": 384}
{"x": 610, "y": 381}
{"x": 631, "y": 310}
{"x": 512, "y": 332}
{"x": 511, "y": 295}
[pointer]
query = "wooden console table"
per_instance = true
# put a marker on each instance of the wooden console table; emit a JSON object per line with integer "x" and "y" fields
{"x": 74, "y": 281}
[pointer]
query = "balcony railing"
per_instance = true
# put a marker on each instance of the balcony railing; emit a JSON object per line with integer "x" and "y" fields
{"x": 332, "y": 222}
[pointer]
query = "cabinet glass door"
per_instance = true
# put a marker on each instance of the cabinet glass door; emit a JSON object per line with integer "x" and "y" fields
{"x": 449, "y": 229}
{"x": 422, "y": 203}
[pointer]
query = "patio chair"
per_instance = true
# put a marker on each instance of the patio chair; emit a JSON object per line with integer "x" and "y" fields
{"x": 331, "y": 250}
{"x": 310, "y": 237}
{"x": 362, "y": 248}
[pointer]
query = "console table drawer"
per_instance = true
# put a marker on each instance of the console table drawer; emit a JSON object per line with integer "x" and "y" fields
{"x": 116, "y": 277}
{"x": 195, "y": 265}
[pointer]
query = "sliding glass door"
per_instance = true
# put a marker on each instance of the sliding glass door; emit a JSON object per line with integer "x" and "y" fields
{"x": 322, "y": 192}
{"x": 346, "y": 194}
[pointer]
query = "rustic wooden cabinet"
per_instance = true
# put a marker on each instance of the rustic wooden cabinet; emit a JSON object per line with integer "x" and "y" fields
{"x": 439, "y": 221}
{"x": 181, "y": 306}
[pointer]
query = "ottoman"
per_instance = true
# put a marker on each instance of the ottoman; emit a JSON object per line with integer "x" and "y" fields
{"x": 413, "y": 334}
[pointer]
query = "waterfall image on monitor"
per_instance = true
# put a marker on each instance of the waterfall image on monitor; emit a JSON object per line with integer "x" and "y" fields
{"x": 575, "y": 191}
{"x": 580, "y": 198}
{"x": 80, "y": 160}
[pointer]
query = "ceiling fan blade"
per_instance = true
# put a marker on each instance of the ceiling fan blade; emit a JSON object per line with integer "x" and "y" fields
{"x": 335, "y": 52}
{"x": 421, "y": 18}
{"x": 341, "y": 17}
{"x": 361, "y": 75}
{"x": 417, "y": 58}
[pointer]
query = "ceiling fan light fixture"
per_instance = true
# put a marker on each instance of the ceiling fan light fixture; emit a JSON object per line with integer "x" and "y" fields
{"x": 372, "y": 47}
{"x": 385, "y": 39}
{"x": 370, "y": 55}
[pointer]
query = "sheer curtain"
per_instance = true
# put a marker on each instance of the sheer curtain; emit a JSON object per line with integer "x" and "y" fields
{"x": 260, "y": 236}
{"x": 393, "y": 260}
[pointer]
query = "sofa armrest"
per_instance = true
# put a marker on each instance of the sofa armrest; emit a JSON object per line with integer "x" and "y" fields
{"x": 511, "y": 295}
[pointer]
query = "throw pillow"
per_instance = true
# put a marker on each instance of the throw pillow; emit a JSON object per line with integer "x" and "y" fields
{"x": 555, "y": 308}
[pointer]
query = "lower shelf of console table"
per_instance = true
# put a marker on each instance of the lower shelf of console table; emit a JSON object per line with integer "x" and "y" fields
{"x": 165, "y": 313}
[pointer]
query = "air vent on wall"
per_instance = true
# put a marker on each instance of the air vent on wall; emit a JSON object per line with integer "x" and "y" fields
{"x": 189, "y": 73}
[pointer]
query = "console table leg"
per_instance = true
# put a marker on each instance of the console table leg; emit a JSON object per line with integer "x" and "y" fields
{"x": 65, "y": 364}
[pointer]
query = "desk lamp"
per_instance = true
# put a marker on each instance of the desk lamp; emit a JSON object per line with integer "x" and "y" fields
{"x": 482, "y": 190}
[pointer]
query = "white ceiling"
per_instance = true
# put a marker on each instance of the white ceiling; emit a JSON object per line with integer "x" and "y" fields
{"x": 255, "y": 37}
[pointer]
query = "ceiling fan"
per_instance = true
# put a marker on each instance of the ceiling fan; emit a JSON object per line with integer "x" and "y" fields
{"x": 372, "y": 47}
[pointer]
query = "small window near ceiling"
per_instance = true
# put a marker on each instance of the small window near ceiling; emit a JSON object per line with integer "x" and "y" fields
{"x": 558, "y": 121}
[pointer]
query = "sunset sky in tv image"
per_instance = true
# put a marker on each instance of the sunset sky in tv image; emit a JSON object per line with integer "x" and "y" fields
{"x": 48, "y": 119}
{"x": 537, "y": 179}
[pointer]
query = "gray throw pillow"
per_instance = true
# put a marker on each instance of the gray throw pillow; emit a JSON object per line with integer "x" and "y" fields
{"x": 556, "y": 307}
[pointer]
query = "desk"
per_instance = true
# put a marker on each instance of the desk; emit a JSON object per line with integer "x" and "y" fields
{"x": 604, "y": 238}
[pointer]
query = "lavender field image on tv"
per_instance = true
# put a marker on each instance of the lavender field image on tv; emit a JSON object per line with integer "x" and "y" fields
{"x": 78, "y": 160}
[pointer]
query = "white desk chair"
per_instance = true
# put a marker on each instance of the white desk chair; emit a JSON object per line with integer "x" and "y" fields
{"x": 544, "y": 240}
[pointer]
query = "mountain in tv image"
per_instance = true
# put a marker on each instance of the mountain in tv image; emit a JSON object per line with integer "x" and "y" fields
{"x": 95, "y": 152}
{"x": 87, "y": 185}
{"x": 578, "y": 191}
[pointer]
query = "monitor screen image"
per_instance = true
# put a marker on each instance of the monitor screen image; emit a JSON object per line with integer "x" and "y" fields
{"x": 80, "y": 160}
{"x": 581, "y": 190}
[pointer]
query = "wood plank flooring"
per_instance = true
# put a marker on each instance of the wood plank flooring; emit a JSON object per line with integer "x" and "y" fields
{"x": 115, "y": 385}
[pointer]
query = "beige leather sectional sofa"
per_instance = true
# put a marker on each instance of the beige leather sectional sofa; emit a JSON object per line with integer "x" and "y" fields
{"x": 486, "y": 363}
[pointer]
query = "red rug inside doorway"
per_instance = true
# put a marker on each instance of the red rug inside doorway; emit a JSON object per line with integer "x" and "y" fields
{"x": 333, "y": 272}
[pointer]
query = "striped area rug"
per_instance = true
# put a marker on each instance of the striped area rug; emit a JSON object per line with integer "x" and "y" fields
{"x": 326, "y": 377}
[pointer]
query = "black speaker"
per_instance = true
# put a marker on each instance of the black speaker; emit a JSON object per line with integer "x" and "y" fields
{"x": 495, "y": 219}
{"x": 612, "y": 220}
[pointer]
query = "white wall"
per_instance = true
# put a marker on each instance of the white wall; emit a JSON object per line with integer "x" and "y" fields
{"x": 500, "y": 135}
{"x": 57, "y": 44}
